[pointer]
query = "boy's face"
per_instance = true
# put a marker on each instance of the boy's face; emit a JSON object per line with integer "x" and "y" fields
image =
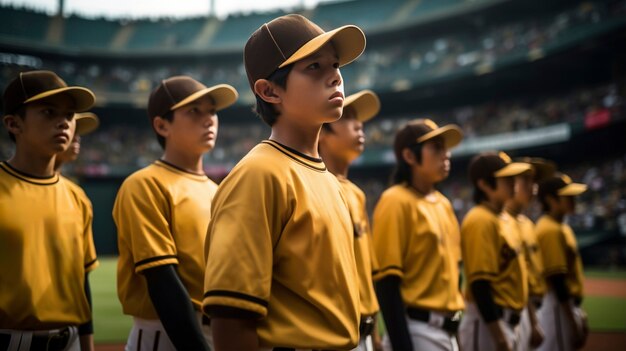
{"x": 193, "y": 129}
{"x": 347, "y": 139}
{"x": 505, "y": 188}
{"x": 47, "y": 127}
{"x": 314, "y": 90}
{"x": 567, "y": 204}
{"x": 524, "y": 188}
{"x": 72, "y": 152}
{"x": 435, "y": 165}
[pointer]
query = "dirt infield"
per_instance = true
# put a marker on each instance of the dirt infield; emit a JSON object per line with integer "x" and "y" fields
{"x": 605, "y": 287}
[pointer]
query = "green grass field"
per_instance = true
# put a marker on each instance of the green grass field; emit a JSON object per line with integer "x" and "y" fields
{"x": 111, "y": 326}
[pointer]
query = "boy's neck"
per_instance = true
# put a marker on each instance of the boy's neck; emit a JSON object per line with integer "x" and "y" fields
{"x": 336, "y": 165}
{"x": 189, "y": 162}
{"x": 494, "y": 206}
{"x": 302, "y": 140}
{"x": 513, "y": 207}
{"x": 33, "y": 164}
{"x": 423, "y": 186}
{"x": 556, "y": 215}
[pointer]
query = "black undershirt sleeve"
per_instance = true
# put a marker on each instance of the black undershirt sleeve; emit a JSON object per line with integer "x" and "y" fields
{"x": 394, "y": 312}
{"x": 87, "y": 328}
{"x": 481, "y": 290}
{"x": 174, "y": 307}
{"x": 557, "y": 281}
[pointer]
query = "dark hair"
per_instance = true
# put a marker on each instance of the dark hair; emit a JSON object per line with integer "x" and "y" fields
{"x": 169, "y": 116}
{"x": 402, "y": 171}
{"x": 543, "y": 198}
{"x": 264, "y": 109}
{"x": 479, "y": 195}
{"x": 21, "y": 113}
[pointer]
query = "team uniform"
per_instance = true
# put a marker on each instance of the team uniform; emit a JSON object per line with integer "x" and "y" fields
{"x": 364, "y": 261}
{"x": 559, "y": 250}
{"x": 536, "y": 282}
{"x": 281, "y": 244}
{"x": 492, "y": 251}
{"x": 161, "y": 213}
{"x": 46, "y": 249}
{"x": 416, "y": 238}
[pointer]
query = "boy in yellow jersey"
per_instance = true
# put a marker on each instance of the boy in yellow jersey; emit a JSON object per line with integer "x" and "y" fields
{"x": 86, "y": 123}
{"x": 496, "y": 290}
{"x": 281, "y": 271}
{"x": 416, "y": 241}
{"x": 46, "y": 242}
{"x": 342, "y": 142}
{"x": 564, "y": 322}
{"x": 530, "y": 331}
{"x": 162, "y": 212}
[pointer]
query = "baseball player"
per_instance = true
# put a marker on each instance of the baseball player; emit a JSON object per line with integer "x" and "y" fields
{"x": 530, "y": 331}
{"x": 86, "y": 123}
{"x": 563, "y": 320}
{"x": 417, "y": 243}
{"x": 162, "y": 212}
{"x": 46, "y": 241}
{"x": 281, "y": 271}
{"x": 495, "y": 269}
{"x": 341, "y": 142}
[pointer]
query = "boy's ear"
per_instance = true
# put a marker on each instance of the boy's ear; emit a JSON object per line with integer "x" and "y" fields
{"x": 408, "y": 156}
{"x": 484, "y": 186}
{"x": 161, "y": 126}
{"x": 267, "y": 91}
{"x": 12, "y": 123}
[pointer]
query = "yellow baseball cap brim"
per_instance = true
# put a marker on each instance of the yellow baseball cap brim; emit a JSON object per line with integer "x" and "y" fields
{"x": 224, "y": 95}
{"x": 572, "y": 189}
{"x": 365, "y": 104}
{"x": 86, "y": 122}
{"x": 512, "y": 169}
{"x": 451, "y": 134}
{"x": 349, "y": 42}
{"x": 83, "y": 98}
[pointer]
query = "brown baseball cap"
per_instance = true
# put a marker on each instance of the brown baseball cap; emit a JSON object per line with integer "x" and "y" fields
{"x": 365, "y": 104}
{"x": 178, "y": 91}
{"x": 33, "y": 86}
{"x": 421, "y": 130}
{"x": 86, "y": 122}
{"x": 290, "y": 38}
{"x": 498, "y": 165}
{"x": 543, "y": 169}
{"x": 562, "y": 185}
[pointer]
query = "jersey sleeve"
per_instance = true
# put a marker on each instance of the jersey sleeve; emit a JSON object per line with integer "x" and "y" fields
{"x": 244, "y": 229}
{"x": 89, "y": 248}
{"x": 479, "y": 245}
{"x": 141, "y": 213}
{"x": 388, "y": 229}
{"x": 553, "y": 250}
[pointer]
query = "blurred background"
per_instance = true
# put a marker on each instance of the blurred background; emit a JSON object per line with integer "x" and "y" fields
{"x": 532, "y": 78}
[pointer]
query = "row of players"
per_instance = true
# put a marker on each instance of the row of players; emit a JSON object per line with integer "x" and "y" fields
{"x": 288, "y": 260}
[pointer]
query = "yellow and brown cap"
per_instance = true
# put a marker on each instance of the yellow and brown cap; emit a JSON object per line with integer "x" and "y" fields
{"x": 86, "y": 122}
{"x": 543, "y": 169}
{"x": 175, "y": 92}
{"x": 421, "y": 130}
{"x": 562, "y": 185}
{"x": 33, "y": 86}
{"x": 365, "y": 104}
{"x": 497, "y": 165}
{"x": 291, "y": 38}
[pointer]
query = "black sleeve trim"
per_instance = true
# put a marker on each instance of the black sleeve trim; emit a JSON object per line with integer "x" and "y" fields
{"x": 394, "y": 312}
{"x": 91, "y": 263}
{"x": 219, "y": 311}
{"x": 557, "y": 281}
{"x": 237, "y": 295}
{"x": 481, "y": 290}
{"x": 152, "y": 259}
